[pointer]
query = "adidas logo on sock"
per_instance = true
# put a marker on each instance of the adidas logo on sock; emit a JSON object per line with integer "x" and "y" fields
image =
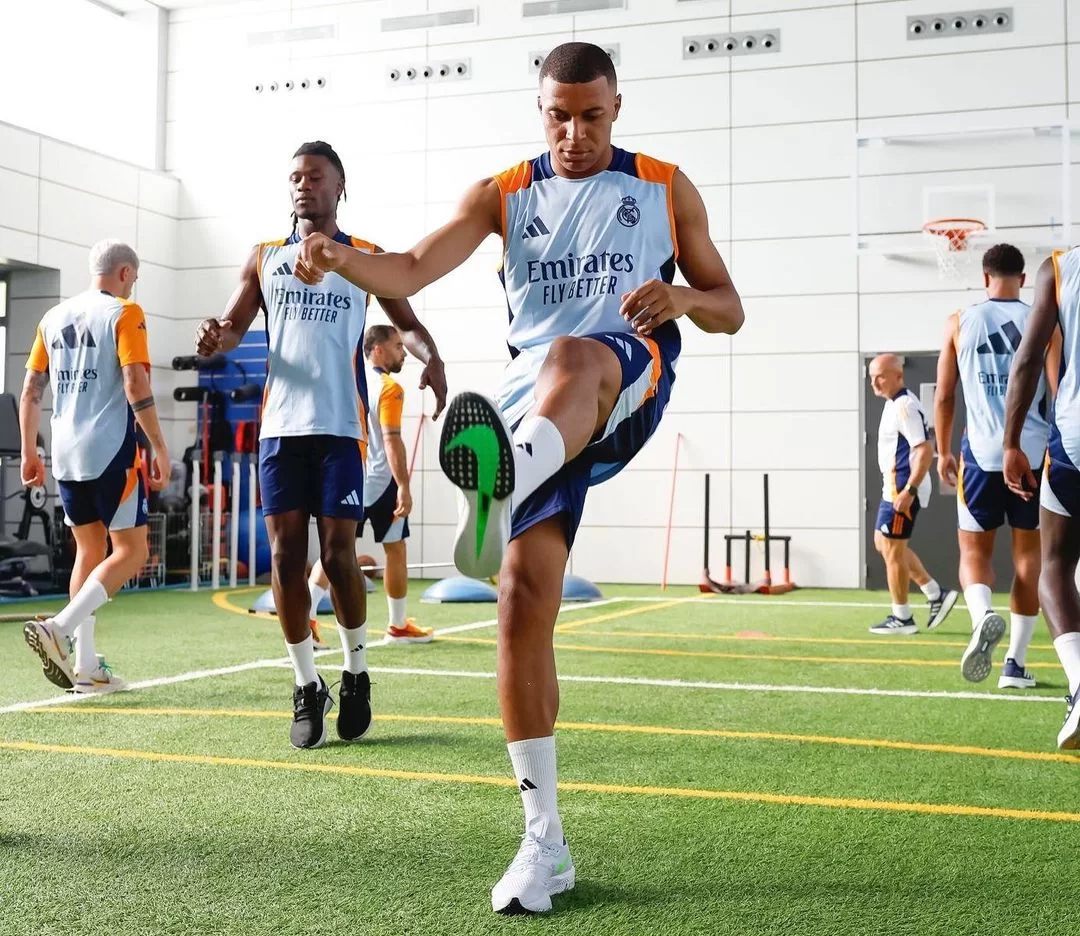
{"x": 283, "y": 270}
{"x": 535, "y": 228}
{"x": 351, "y": 499}
{"x": 526, "y": 785}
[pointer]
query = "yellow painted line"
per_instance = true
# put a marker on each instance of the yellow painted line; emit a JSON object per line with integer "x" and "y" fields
{"x": 718, "y": 655}
{"x": 742, "y": 796}
{"x": 221, "y": 599}
{"x": 780, "y": 638}
{"x": 644, "y": 608}
{"x": 962, "y": 749}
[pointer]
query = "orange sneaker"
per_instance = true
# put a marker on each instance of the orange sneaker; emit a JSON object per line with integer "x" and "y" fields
{"x": 316, "y": 639}
{"x": 410, "y": 633}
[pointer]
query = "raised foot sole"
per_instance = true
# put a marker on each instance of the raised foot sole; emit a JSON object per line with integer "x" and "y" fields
{"x": 977, "y": 661}
{"x": 52, "y": 670}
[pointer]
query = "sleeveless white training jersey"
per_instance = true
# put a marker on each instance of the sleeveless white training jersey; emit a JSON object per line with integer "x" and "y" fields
{"x": 84, "y": 343}
{"x": 989, "y": 335}
{"x": 387, "y": 398}
{"x": 1067, "y": 405}
{"x": 315, "y": 382}
{"x": 571, "y": 249}
{"x": 902, "y": 427}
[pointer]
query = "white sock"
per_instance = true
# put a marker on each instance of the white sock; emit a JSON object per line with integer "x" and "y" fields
{"x": 1021, "y": 630}
{"x": 85, "y": 657}
{"x": 88, "y": 599}
{"x": 978, "y": 598}
{"x": 534, "y": 768}
{"x": 539, "y": 451}
{"x": 1068, "y": 651}
{"x": 397, "y": 611}
{"x": 354, "y": 646}
{"x": 303, "y": 660}
{"x": 931, "y": 589}
{"x": 317, "y": 594}
{"x": 903, "y": 612}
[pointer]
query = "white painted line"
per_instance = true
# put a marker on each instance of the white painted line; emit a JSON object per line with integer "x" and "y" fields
{"x": 736, "y": 687}
{"x": 774, "y": 603}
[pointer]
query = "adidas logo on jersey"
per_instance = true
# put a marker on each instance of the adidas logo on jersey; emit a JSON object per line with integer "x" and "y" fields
{"x": 71, "y": 338}
{"x": 535, "y": 228}
{"x": 351, "y": 500}
{"x": 995, "y": 344}
{"x": 283, "y": 270}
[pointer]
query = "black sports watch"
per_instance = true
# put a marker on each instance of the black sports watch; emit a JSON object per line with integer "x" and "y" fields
{"x": 913, "y": 490}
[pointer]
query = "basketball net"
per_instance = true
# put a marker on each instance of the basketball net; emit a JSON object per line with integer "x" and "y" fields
{"x": 949, "y": 238}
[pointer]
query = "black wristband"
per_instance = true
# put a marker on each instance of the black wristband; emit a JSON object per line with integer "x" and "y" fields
{"x": 913, "y": 490}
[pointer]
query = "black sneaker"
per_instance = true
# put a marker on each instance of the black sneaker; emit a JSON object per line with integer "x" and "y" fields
{"x": 311, "y": 705}
{"x": 354, "y": 698}
{"x": 939, "y": 609}
{"x": 895, "y": 625}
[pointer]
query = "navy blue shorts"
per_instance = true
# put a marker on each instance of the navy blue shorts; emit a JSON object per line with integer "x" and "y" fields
{"x": 893, "y": 525}
{"x": 648, "y": 374}
{"x": 117, "y": 499}
{"x": 386, "y": 527}
{"x": 983, "y": 502}
{"x": 321, "y": 475}
{"x": 1060, "y": 492}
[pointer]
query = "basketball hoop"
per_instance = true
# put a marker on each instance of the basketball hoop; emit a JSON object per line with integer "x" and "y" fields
{"x": 949, "y": 238}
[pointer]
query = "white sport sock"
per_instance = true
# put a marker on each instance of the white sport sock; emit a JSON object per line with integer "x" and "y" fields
{"x": 978, "y": 598}
{"x": 534, "y": 769}
{"x": 931, "y": 589}
{"x": 539, "y": 451}
{"x": 1068, "y": 651}
{"x": 88, "y": 599}
{"x": 85, "y": 657}
{"x": 1021, "y": 630}
{"x": 303, "y": 660}
{"x": 354, "y": 646}
{"x": 397, "y": 611}
{"x": 317, "y": 593}
{"x": 903, "y": 612}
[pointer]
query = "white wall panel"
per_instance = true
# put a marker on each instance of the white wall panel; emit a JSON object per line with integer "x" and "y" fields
{"x": 156, "y": 239}
{"x": 18, "y": 201}
{"x": 71, "y": 261}
{"x": 202, "y": 293}
{"x": 799, "y": 151}
{"x": 1012, "y": 78}
{"x": 702, "y": 385}
{"x": 18, "y": 245}
{"x": 793, "y": 95}
{"x": 82, "y": 169}
{"x": 159, "y": 193}
{"x": 909, "y": 322}
{"x": 643, "y": 499}
{"x": 782, "y": 383}
{"x": 798, "y": 323}
{"x": 19, "y": 149}
{"x": 794, "y": 267}
{"x": 466, "y": 121}
{"x": 810, "y": 37}
{"x": 702, "y": 155}
{"x": 71, "y": 215}
{"x": 810, "y": 441}
{"x": 668, "y": 105}
{"x": 836, "y": 500}
{"x": 470, "y": 334}
{"x": 1074, "y": 64}
{"x": 791, "y": 209}
{"x": 745, "y": 7}
{"x": 656, "y": 50}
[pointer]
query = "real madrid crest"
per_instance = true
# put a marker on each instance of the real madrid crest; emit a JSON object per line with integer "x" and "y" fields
{"x": 629, "y": 214}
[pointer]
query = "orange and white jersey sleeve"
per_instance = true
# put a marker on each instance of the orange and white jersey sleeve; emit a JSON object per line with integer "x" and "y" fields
{"x": 39, "y": 355}
{"x": 132, "y": 343}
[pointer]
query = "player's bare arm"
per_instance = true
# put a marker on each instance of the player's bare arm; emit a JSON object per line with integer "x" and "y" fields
{"x": 400, "y": 275}
{"x": 1053, "y": 362}
{"x": 224, "y": 334}
{"x": 1024, "y": 380}
{"x": 141, "y": 398}
{"x": 710, "y": 301}
{"x": 921, "y": 457}
{"x": 33, "y": 391}
{"x": 948, "y": 376}
{"x": 419, "y": 343}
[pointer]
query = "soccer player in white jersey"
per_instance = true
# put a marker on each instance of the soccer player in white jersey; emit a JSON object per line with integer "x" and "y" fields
{"x": 980, "y": 342}
{"x": 313, "y": 433}
{"x": 387, "y": 493}
{"x": 904, "y": 456}
{"x": 92, "y": 350}
{"x": 592, "y": 236}
{"x": 1057, "y": 304}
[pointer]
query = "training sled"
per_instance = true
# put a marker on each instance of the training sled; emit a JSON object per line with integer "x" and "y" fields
{"x": 766, "y": 586}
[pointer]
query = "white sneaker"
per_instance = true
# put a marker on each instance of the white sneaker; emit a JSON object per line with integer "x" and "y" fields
{"x": 1014, "y": 676}
{"x": 476, "y": 452}
{"x": 977, "y": 661}
{"x": 1069, "y": 736}
{"x": 539, "y": 870}
{"x": 99, "y": 680}
{"x": 53, "y": 650}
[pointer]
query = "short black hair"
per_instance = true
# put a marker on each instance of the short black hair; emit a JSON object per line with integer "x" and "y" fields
{"x": 578, "y": 63}
{"x": 376, "y": 335}
{"x": 1003, "y": 260}
{"x": 321, "y": 148}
